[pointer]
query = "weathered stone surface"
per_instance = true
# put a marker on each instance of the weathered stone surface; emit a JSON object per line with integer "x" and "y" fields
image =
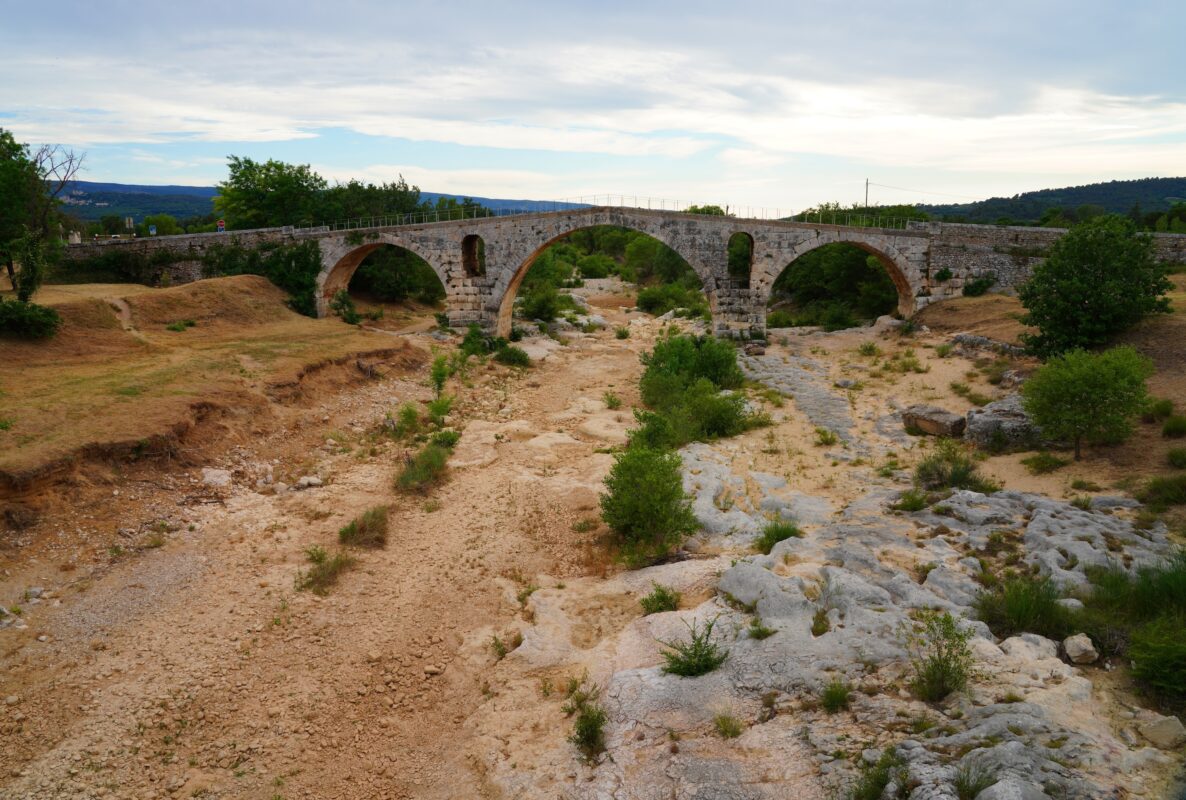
{"x": 1079, "y": 649}
{"x": 933, "y": 420}
{"x": 1001, "y": 425}
{"x": 1166, "y": 733}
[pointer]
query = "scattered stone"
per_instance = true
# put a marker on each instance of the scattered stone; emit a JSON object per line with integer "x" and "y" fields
{"x": 755, "y": 349}
{"x": 1165, "y": 733}
{"x": 1079, "y": 649}
{"x": 11, "y": 700}
{"x": 218, "y": 478}
{"x": 933, "y": 421}
{"x": 1001, "y": 425}
{"x": 308, "y": 482}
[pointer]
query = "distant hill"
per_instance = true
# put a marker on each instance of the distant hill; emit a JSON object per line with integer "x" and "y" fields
{"x": 1152, "y": 194}
{"x": 89, "y": 201}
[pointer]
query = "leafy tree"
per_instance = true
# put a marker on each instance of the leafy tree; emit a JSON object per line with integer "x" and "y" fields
{"x": 268, "y": 194}
{"x": 1093, "y": 396}
{"x": 166, "y": 225}
{"x": 715, "y": 211}
{"x": 1099, "y": 280}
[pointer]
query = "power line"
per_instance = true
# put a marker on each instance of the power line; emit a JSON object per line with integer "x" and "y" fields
{"x": 920, "y": 191}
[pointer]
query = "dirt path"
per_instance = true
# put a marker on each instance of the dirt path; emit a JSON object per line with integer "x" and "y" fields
{"x": 195, "y": 667}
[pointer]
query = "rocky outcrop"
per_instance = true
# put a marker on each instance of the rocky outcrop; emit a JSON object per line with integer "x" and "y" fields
{"x": 933, "y": 421}
{"x": 1002, "y": 425}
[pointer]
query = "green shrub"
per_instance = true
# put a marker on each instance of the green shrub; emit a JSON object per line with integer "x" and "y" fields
{"x": 775, "y": 532}
{"x": 869, "y": 349}
{"x": 1177, "y": 457}
{"x": 727, "y": 725}
{"x": 645, "y": 504}
{"x": 343, "y": 306}
{"x": 943, "y": 275}
{"x": 940, "y": 657}
{"x": 758, "y": 630}
{"x": 28, "y": 320}
{"x": 688, "y": 359}
{"x": 1160, "y": 493}
{"x": 1043, "y": 463}
{"x": 1024, "y": 604}
{"x": 1158, "y": 653}
{"x": 439, "y": 408}
{"x": 439, "y": 373}
{"x": 820, "y": 624}
{"x": 541, "y": 302}
{"x": 622, "y": 332}
{"x": 1141, "y": 595}
{"x": 696, "y": 413}
{"x": 324, "y": 569}
{"x": 588, "y": 730}
{"x": 910, "y": 500}
{"x": 423, "y": 470}
{"x": 685, "y": 301}
{"x": 661, "y": 598}
{"x": 612, "y": 401}
{"x": 407, "y": 421}
{"x": 780, "y": 318}
{"x": 1158, "y": 409}
{"x": 825, "y": 437}
{"x": 512, "y": 356}
{"x": 836, "y": 696}
{"x": 972, "y": 779}
{"x": 292, "y": 267}
{"x": 698, "y": 656}
{"x": 1174, "y": 428}
{"x": 874, "y": 778}
{"x": 979, "y": 286}
{"x": 367, "y": 530}
{"x": 447, "y": 439}
{"x": 950, "y": 467}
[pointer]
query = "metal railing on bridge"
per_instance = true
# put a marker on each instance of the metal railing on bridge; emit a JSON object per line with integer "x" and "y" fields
{"x": 632, "y": 202}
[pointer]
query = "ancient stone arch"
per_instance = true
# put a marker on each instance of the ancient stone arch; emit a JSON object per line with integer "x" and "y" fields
{"x": 340, "y": 258}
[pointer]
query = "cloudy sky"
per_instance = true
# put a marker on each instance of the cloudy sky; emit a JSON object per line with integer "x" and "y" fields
{"x": 762, "y": 104}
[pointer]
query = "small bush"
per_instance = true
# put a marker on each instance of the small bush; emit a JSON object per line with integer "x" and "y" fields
{"x": 759, "y": 630}
{"x": 447, "y": 439}
{"x": 1177, "y": 457}
{"x": 439, "y": 408}
{"x": 943, "y": 275}
{"x": 775, "y": 532}
{"x": 950, "y": 467}
{"x": 367, "y": 530}
{"x": 1158, "y": 409}
{"x": 972, "y": 779}
{"x": 1160, "y": 493}
{"x": 343, "y": 306}
{"x": 1174, "y": 428}
{"x": 1024, "y": 604}
{"x": 180, "y": 325}
{"x": 1158, "y": 653}
{"x": 874, "y": 778}
{"x": 512, "y": 356}
{"x": 820, "y": 624}
{"x": 978, "y": 286}
{"x": 324, "y": 569}
{"x": 439, "y": 373}
{"x": 645, "y": 504}
{"x": 825, "y": 437}
{"x": 661, "y": 598}
{"x": 477, "y": 343}
{"x": 1043, "y": 463}
{"x": 910, "y": 500}
{"x": 407, "y": 421}
{"x": 940, "y": 657}
{"x": 727, "y": 725}
{"x": 588, "y": 730}
{"x": 869, "y": 349}
{"x": 612, "y": 401}
{"x": 622, "y": 332}
{"x": 836, "y": 696}
{"x": 28, "y": 320}
{"x": 698, "y": 656}
{"x": 423, "y": 470}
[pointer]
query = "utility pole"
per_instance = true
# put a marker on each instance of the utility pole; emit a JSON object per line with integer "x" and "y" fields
{"x": 866, "y": 195}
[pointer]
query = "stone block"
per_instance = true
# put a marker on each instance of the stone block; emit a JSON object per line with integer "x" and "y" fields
{"x": 933, "y": 421}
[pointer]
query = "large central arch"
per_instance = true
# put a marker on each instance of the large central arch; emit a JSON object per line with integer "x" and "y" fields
{"x": 896, "y": 266}
{"x": 507, "y": 288}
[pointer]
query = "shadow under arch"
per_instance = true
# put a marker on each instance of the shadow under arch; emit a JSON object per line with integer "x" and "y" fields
{"x": 895, "y": 264}
{"x": 507, "y": 293}
{"x": 338, "y": 276}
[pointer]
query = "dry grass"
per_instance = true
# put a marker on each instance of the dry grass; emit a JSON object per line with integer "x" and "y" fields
{"x": 97, "y": 383}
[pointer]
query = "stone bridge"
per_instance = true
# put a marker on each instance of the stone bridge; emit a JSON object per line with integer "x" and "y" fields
{"x": 481, "y": 262}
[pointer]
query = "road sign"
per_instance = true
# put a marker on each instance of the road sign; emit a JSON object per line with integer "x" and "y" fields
{"x": 222, "y": 226}
{"x": 152, "y": 230}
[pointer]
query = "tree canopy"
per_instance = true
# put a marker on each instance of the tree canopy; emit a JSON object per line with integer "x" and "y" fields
{"x": 1081, "y": 396}
{"x": 1099, "y": 280}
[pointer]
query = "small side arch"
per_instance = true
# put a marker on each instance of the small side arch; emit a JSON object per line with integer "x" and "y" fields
{"x": 473, "y": 256}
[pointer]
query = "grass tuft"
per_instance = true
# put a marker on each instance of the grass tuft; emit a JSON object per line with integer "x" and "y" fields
{"x": 423, "y": 470}
{"x": 367, "y": 530}
{"x": 836, "y": 696}
{"x": 662, "y": 598}
{"x": 324, "y": 569}
{"x": 775, "y": 532}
